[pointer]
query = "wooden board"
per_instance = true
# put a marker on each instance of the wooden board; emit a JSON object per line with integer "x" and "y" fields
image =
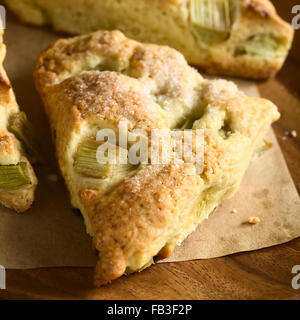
{"x": 263, "y": 274}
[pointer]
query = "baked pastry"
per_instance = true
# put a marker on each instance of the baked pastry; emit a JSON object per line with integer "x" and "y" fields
{"x": 17, "y": 178}
{"x": 136, "y": 213}
{"x": 233, "y": 37}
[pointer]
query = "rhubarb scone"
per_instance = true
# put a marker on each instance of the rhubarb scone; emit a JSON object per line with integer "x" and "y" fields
{"x": 17, "y": 178}
{"x": 140, "y": 211}
{"x": 243, "y": 38}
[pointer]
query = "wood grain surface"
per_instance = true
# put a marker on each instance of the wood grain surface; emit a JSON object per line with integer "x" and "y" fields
{"x": 263, "y": 274}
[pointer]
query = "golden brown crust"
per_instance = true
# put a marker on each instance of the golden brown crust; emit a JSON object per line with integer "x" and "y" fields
{"x": 169, "y": 22}
{"x": 151, "y": 199}
{"x": 147, "y": 214}
{"x": 11, "y": 151}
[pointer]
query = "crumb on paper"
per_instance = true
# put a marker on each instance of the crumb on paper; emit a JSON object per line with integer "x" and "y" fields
{"x": 234, "y": 211}
{"x": 287, "y": 134}
{"x": 53, "y": 177}
{"x": 253, "y": 220}
{"x": 294, "y": 133}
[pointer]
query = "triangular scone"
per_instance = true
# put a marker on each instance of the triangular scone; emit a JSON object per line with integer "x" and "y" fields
{"x": 17, "y": 178}
{"x": 93, "y": 82}
{"x": 243, "y": 38}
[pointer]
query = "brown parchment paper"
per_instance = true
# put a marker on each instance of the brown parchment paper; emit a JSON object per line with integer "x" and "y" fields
{"x": 51, "y": 235}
